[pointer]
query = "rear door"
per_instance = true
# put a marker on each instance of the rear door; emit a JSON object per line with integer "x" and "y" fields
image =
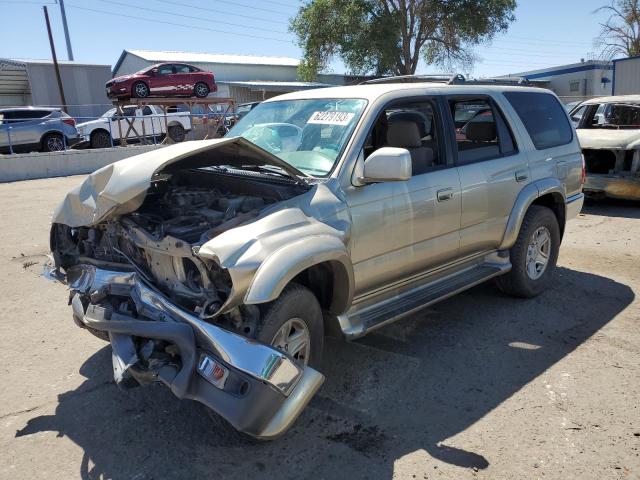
{"x": 184, "y": 79}
{"x": 492, "y": 169}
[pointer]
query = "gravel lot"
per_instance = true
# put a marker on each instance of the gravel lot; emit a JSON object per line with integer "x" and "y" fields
{"x": 479, "y": 386}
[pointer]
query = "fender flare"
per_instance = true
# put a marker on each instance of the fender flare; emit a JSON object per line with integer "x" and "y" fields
{"x": 284, "y": 264}
{"x": 529, "y": 194}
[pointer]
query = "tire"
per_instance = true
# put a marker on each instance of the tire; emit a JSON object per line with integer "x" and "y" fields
{"x": 140, "y": 90}
{"x": 296, "y": 302}
{"x": 177, "y": 133}
{"x": 201, "y": 90}
{"x": 53, "y": 142}
{"x": 100, "y": 139}
{"x": 527, "y": 278}
{"x": 298, "y": 305}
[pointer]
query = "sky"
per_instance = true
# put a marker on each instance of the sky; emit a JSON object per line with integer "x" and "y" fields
{"x": 546, "y": 32}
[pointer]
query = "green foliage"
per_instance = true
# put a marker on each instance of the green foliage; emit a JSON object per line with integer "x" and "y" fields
{"x": 384, "y": 37}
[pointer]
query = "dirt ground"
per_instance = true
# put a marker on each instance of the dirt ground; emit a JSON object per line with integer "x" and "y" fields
{"x": 479, "y": 386}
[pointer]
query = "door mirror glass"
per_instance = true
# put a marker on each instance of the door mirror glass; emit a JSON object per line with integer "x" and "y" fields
{"x": 154, "y": 71}
{"x": 387, "y": 164}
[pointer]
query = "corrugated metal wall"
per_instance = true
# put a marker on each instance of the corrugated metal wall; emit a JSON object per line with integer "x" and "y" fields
{"x": 627, "y": 78}
{"x": 83, "y": 87}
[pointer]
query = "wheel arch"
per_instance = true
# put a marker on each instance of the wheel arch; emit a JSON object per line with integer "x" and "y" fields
{"x": 319, "y": 263}
{"x": 51, "y": 132}
{"x": 547, "y": 192}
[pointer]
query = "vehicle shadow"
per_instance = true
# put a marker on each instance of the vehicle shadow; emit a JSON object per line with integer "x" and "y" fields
{"x": 409, "y": 387}
{"x": 609, "y": 207}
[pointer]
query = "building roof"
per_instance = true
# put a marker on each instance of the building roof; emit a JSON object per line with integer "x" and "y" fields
{"x": 563, "y": 69}
{"x": 194, "y": 57}
{"x": 23, "y": 62}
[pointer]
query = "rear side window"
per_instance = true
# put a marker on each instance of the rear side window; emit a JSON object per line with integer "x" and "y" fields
{"x": 544, "y": 118}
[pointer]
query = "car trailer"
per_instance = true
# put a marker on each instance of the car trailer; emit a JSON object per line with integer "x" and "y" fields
{"x": 210, "y": 123}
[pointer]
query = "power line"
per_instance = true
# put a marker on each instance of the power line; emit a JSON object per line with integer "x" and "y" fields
{"x": 205, "y": 19}
{"x": 194, "y": 27}
{"x": 217, "y": 11}
{"x": 251, "y": 7}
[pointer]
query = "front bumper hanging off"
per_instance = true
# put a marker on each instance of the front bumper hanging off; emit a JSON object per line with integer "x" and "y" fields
{"x": 263, "y": 390}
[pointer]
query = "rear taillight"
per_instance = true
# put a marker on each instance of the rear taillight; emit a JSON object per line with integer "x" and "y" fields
{"x": 583, "y": 176}
{"x": 69, "y": 121}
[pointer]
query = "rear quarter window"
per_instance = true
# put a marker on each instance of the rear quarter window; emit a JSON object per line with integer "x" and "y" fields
{"x": 544, "y": 118}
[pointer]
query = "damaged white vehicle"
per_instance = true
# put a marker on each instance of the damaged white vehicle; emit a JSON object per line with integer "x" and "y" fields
{"x": 609, "y": 132}
{"x": 216, "y": 267}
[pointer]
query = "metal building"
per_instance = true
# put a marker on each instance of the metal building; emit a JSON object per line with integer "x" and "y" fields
{"x": 575, "y": 82}
{"x": 626, "y": 76}
{"x": 245, "y": 78}
{"x": 33, "y": 82}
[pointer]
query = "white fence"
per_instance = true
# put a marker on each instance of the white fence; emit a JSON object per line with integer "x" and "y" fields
{"x": 29, "y": 166}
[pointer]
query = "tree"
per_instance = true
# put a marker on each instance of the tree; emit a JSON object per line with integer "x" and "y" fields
{"x": 391, "y": 36}
{"x": 620, "y": 34}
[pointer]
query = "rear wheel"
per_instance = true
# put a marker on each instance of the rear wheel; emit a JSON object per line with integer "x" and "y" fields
{"x": 534, "y": 255}
{"x": 53, "y": 142}
{"x": 201, "y": 90}
{"x": 100, "y": 139}
{"x": 140, "y": 90}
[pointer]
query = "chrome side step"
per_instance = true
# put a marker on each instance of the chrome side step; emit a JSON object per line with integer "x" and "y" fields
{"x": 362, "y": 321}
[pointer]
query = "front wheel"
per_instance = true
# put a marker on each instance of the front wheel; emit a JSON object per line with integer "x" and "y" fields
{"x": 534, "y": 255}
{"x": 177, "y": 133}
{"x": 293, "y": 324}
{"x": 140, "y": 90}
{"x": 100, "y": 139}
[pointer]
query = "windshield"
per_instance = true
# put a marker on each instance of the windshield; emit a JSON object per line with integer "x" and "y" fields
{"x": 310, "y": 135}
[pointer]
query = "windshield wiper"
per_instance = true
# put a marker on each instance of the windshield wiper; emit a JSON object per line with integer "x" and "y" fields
{"x": 269, "y": 169}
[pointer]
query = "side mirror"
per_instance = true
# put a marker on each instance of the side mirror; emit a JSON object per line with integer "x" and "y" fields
{"x": 154, "y": 71}
{"x": 387, "y": 164}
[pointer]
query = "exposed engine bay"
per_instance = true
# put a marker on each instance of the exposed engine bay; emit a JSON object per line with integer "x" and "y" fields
{"x": 160, "y": 240}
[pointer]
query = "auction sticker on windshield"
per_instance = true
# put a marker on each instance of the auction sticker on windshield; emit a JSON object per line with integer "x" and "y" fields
{"x": 331, "y": 118}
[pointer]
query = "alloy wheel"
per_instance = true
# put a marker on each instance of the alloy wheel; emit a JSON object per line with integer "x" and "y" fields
{"x": 293, "y": 338}
{"x": 538, "y": 253}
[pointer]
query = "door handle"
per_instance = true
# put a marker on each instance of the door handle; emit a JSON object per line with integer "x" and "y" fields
{"x": 444, "y": 194}
{"x": 521, "y": 175}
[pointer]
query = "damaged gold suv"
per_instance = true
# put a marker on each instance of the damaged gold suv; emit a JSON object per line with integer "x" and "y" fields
{"x": 216, "y": 267}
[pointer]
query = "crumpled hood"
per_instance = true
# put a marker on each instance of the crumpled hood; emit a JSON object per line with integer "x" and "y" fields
{"x": 121, "y": 187}
{"x": 598, "y": 138}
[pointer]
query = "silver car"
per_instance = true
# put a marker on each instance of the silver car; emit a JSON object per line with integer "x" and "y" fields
{"x": 216, "y": 267}
{"x": 28, "y": 129}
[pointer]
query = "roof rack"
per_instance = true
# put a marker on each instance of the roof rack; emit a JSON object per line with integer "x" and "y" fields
{"x": 455, "y": 79}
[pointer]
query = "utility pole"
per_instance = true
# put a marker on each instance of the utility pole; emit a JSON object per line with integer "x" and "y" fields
{"x": 66, "y": 31}
{"x": 55, "y": 60}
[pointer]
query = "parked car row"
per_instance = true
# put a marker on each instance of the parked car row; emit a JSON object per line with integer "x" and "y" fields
{"x": 30, "y": 128}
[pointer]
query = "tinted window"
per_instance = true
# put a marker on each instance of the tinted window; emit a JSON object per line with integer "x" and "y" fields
{"x": 147, "y": 111}
{"x": 544, "y": 118}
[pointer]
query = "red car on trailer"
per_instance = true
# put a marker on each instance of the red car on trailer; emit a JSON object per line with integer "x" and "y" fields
{"x": 163, "y": 80}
